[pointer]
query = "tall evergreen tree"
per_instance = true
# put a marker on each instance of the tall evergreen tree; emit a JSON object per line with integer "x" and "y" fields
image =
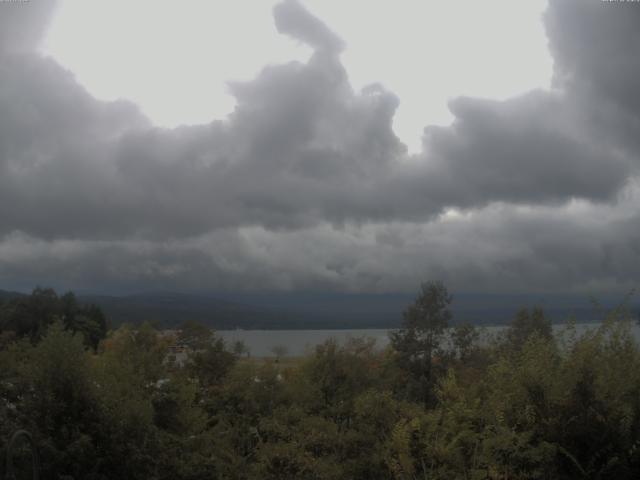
{"x": 418, "y": 341}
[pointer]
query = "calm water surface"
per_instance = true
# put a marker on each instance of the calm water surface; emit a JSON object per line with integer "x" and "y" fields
{"x": 300, "y": 342}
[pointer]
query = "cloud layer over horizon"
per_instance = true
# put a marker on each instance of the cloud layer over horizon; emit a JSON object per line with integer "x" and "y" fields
{"x": 306, "y": 186}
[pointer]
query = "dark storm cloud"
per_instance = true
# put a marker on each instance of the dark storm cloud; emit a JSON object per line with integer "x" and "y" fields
{"x": 56, "y": 149}
{"x": 299, "y": 148}
{"x": 530, "y": 149}
{"x": 305, "y": 184}
{"x": 595, "y": 46}
{"x": 579, "y": 248}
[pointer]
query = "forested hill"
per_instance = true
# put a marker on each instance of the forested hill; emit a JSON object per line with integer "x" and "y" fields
{"x": 329, "y": 310}
{"x": 6, "y": 295}
{"x": 334, "y": 311}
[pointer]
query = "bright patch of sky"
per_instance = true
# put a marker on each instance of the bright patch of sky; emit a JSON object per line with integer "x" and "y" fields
{"x": 173, "y": 58}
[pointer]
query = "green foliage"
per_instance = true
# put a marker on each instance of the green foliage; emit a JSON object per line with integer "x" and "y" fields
{"x": 339, "y": 373}
{"x": 526, "y": 324}
{"x": 211, "y": 363}
{"x": 195, "y": 335}
{"x": 533, "y": 406}
{"x": 30, "y": 316}
{"x": 464, "y": 338}
{"x": 418, "y": 342}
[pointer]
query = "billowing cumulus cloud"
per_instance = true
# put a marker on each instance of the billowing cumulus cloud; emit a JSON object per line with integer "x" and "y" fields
{"x": 530, "y": 149}
{"x": 595, "y": 47}
{"x": 305, "y": 184}
{"x": 22, "y": 24}
{"x": 291, "y": 18}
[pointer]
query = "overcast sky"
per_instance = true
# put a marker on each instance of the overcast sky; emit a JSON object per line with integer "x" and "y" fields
{"x": 320, "y": 145}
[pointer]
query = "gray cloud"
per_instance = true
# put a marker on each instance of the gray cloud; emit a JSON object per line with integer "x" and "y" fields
{"x": 531, "y": 149}
{"x": 580, "y": 247}
{"x": 595, "y": 46}
{"x": 305, "y": 184}
{"x": 292, "y": 19}
{"x": 22, "y": 24}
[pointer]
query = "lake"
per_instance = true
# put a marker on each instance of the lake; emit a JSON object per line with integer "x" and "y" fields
{"x": 300, "y": 342}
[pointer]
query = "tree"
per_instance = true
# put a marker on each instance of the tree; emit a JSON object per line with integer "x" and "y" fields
{"x": 85, "y": 319}
{"x": 526, "y": 324}
{"x": 195, "y": 335}
{"x": 31, "y": 315}
{"x": 61, "y": 399}
{"x": 240, "y": 348}
{"x": 279, "y": 351}
{"x": 464, "y": 338}
{"x": 418, "y": 341}
{"x": 211, "y": 363}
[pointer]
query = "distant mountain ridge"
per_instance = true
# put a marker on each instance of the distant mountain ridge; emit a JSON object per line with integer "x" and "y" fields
{"x": 271, "y": 311}
{"x": 333, "y": 311}
{"x": 170, "y": 309}
{"x": 8, "y": 295}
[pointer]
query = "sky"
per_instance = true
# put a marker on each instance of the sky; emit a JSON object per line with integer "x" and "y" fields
{"x": 320, "y": 145}
{"x": 175, "y": 88}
